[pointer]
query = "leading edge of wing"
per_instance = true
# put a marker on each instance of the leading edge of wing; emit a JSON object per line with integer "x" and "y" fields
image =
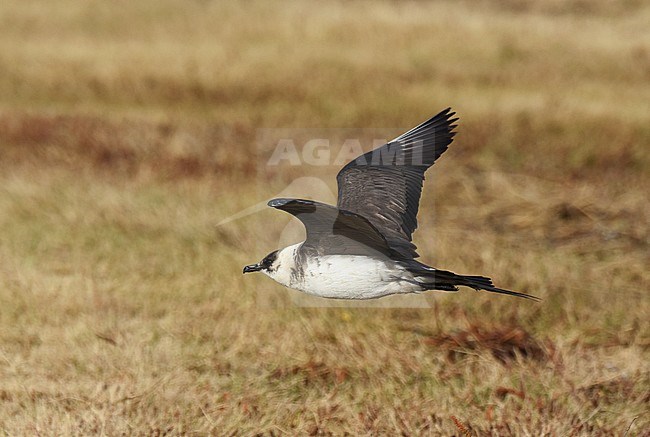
{"x": 323, "y": 221}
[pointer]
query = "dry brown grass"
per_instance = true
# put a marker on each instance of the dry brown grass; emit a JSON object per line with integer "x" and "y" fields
{"x": 127, "y": 132}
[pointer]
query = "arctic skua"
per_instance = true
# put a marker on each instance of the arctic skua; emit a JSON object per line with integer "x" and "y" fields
{"x": 362, "y": 248}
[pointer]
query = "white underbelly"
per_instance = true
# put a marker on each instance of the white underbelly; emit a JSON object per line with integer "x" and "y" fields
{"x": 352, "y": 277}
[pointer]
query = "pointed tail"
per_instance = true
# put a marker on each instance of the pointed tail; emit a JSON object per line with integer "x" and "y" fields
{"x": 483, "y": 283}
{"x": 435, "y": 279}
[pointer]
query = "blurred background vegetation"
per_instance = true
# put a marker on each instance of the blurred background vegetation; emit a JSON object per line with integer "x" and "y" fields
{"x": 128, "y": 130}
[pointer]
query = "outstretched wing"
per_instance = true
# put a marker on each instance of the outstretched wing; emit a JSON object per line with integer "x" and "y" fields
{"x": 331, "y": 230}
{"x": 384, "y": 185}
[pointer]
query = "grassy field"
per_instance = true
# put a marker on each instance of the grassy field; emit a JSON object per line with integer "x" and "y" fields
{"x": 128, "y": 130}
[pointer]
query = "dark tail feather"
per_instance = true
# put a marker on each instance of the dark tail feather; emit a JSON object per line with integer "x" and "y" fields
{"x": 493, "y": 289}
{"x": 448, "y": 281}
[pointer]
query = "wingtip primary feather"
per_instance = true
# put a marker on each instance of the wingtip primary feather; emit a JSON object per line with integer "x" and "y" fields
{"x": 443, "y": 120}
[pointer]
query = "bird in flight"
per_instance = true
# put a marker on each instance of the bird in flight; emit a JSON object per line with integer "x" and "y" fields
{"x": 362, "y": 248}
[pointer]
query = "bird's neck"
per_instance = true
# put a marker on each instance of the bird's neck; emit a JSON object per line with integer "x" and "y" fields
{"x": 285, "y": 270}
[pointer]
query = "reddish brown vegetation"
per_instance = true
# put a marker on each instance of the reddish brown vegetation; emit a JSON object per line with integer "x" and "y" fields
{"x": 503, "y": 343}
{"x": 127, "y": 147}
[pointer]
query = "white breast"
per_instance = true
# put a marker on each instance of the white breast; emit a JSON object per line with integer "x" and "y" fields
{"x": 342, "y": 276}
